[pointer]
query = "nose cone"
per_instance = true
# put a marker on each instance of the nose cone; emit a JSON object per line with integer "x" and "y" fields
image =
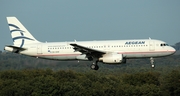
{"x": 173, "y": 50}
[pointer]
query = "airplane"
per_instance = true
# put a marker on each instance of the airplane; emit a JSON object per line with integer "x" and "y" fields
{"x": 107, "y": 51}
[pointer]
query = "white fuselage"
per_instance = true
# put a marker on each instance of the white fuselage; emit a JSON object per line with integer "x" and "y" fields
{"x": 140, "y": 48}
{"x": 109, "y": 51}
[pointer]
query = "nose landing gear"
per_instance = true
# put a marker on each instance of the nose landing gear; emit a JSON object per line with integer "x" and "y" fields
{"x": 152, "y": 62}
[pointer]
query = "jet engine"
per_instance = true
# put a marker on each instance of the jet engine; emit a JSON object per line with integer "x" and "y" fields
{"x": 112, "y": 58}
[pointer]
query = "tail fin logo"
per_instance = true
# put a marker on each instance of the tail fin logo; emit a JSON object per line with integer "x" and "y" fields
{"x": 17, "y": 29}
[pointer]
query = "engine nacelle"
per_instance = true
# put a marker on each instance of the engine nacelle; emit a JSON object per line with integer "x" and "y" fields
{"x": 84, "y": 57}
{"x": 113, "y": 58}
{"x": 81, "y": 57}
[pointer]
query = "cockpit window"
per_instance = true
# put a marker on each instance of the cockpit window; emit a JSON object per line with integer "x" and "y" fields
{"x": 164, "y": 44}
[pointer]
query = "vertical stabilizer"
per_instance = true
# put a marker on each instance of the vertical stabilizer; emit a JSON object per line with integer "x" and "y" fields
{"x": 20, "y": 35}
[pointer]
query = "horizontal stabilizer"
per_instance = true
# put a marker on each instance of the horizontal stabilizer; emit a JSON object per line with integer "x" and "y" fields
{"x": 15, "y": 47}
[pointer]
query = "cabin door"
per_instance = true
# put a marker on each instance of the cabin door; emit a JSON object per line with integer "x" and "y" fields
{"x": 39, "y": 49}
{"x": 151, "y": 45}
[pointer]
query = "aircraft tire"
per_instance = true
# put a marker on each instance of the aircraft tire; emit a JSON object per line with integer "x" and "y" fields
{"x": 94, "y": 67}
{"x": 153, "y": 66}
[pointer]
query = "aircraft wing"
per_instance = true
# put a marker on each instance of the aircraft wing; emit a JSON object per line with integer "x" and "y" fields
{"x": 88, "y": 51}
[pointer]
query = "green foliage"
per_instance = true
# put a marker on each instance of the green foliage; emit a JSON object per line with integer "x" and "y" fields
{"x": 139, "y": 79}
{"x": 69, "y": 83}
{"x": 171, "y": 83}
{"x": 27, "y": 76}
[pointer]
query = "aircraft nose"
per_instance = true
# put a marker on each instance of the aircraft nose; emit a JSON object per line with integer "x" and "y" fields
{"x": 173, "y": 50}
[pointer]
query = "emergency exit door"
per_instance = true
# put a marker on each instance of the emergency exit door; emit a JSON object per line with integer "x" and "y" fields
{"x": 39, "y": 49}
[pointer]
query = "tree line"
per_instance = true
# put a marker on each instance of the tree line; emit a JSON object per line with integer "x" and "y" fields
{"x": 70, "y": 83}
{"x": 27, "y": 76}
{"x": 12, "y": 61}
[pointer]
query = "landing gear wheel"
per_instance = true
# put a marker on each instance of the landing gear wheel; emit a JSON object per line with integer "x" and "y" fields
{"x": 94, "y": 67}
{"x": 153, "y": 66}
{"x": 152, "y": 62}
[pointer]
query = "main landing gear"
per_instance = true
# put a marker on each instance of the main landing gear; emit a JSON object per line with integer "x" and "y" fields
{"x": 94, "y": 66}
{"x": 152, "y": 62}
